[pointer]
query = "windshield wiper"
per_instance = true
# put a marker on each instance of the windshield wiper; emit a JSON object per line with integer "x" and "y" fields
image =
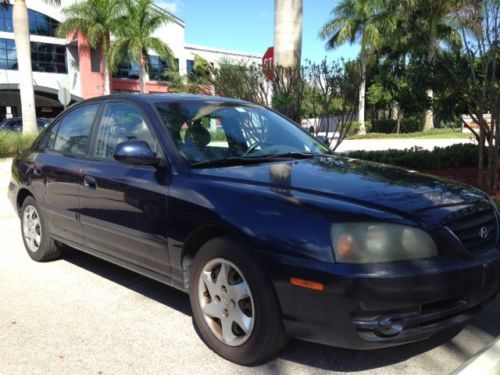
{"x": 227, "y": 162}
{"x": 295, "y": 155}
{"x": 240, "y": 160}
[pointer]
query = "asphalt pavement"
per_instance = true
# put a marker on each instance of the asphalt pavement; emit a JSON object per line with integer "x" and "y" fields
{"x": 81, "y": 315}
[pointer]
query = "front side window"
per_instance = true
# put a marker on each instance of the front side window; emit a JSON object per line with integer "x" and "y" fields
{"x": 122, "y": 122}
{"x": 73, "y": 131}
{"x": 215, "y": 131}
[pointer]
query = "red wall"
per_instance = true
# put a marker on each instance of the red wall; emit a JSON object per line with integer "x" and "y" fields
{"x": 92, "y": 83}
{"x": 120, "y": 84}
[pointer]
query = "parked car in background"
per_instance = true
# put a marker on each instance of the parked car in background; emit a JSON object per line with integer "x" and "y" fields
{"x": 271, "y": 234}
{"x": 16, "y": 124}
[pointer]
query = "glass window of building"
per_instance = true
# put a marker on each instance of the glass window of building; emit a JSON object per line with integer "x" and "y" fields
{"x": 189, "y": 66}
{"x": 8, "y": 55}
{"x": 6, "y": 18}
{"x": 49, "y": 58}
{"x": 95, "y": 60}
{"x": 39, "y": 23}
{"x": 157, "y": 69}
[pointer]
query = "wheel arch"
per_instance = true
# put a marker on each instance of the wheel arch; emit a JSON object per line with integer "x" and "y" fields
{"x": 197, "y": 238}
{"x": 21, "y": 197}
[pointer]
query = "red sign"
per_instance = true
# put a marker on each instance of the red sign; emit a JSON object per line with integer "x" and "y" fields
{"x": 268, "y": 62}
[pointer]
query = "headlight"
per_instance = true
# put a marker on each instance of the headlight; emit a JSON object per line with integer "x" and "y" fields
{"x": 380, "y": 242}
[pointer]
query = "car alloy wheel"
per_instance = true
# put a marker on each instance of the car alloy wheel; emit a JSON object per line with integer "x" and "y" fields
{"x": 32, "y": 228}
{"x": 226, "y": 302}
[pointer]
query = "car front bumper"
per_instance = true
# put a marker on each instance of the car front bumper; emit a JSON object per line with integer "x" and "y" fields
{"x": 374, "y": 306}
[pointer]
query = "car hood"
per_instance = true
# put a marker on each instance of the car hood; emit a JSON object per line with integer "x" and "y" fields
{"x": 370, "y": 184}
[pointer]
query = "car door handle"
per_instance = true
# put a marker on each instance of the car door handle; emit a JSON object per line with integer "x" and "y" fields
{"x": 89, "y": 182}
{"x": 37, "y": 171}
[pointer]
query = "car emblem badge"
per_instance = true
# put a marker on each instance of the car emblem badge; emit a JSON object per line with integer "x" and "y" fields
{"x": 484, "y": 232}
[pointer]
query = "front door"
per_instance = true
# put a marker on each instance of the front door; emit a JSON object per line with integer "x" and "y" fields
{"x": 123, "y": 207}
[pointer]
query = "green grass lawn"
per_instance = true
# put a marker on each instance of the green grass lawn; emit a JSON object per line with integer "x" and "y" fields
{"x": 432, "y": 134}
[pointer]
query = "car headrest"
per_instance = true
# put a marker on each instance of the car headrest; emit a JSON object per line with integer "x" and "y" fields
{"x": 198, "y": 134}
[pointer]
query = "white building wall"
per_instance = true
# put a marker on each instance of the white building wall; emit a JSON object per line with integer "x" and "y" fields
{"x": 217, "y": 55}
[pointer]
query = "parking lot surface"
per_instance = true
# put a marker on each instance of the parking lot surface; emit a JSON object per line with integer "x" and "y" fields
{"x": 81, "y": 315}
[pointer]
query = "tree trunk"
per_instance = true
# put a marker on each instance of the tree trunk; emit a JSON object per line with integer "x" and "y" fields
{"x": 23, "y": 47}
{"x": 429, "y": 114}
{"x": 107, "y": 80}
{"x": 428, "y": 117}
{"x": 142, "y": 74}
{"x": 398, "y": 120}
{"x": 480, "y": 164}
{"x": 362, "y": 90}
{"x": 105, "y": 46}
{"x": 288, "y": 32}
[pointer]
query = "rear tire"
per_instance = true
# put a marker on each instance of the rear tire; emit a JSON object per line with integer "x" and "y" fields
{"x": 36, "y": 236}
{"x": 235, "y": 308}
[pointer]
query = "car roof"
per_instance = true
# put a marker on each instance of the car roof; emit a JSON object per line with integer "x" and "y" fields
{"x": 156, "y": 98}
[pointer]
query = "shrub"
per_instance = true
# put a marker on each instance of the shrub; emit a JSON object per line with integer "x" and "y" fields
{"x": 384, "y": 126}
{"x": 411, "y": 125}
{"x": 354, "y": 128}
{"x": 12, "y": 143}
{"x": 408, "y": 125}
{"x": 458, "y": 155}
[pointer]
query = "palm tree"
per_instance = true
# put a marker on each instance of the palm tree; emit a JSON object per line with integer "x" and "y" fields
{"x": 431, "y": 25}
{"x": 288, "y": 32}
{"x": 358, "y": 21}
{"x": 23, "y": 48}
{"x": 134, "y": 37}
{"x": 96, "y": 20}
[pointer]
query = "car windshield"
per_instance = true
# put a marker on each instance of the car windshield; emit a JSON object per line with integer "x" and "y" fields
{"x": 213, "y": 132}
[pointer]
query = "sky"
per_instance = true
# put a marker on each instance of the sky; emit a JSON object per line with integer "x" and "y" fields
{"x": 249, "y": 25}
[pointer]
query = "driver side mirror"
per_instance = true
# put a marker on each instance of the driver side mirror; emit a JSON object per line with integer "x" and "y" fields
{"x": 136, "y": 152}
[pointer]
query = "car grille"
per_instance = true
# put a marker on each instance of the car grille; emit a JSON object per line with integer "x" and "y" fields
{"x": 470, "y": 229}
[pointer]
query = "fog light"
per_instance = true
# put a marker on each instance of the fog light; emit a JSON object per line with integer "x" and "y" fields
{"x": 389, "y": 325}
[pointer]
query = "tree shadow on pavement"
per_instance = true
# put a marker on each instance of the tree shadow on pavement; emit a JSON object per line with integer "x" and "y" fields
{"x": 305, "y": 353}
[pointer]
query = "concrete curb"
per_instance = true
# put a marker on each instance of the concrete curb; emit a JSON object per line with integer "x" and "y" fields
{"x": 486, "y": 362}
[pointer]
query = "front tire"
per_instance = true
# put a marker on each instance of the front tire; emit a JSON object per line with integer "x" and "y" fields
{"x": 235, "y": 308}
{"x": 36, "y": 236}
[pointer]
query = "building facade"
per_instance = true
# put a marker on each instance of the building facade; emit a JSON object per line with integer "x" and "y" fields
{"x": 71, "y": 64}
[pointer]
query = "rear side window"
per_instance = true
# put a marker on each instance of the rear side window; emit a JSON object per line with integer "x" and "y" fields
{"x": 71, "y": 134}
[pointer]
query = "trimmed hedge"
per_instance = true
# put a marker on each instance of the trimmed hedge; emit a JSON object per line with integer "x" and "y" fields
{"x": 455, "y": 156}
{"x": 408, "y": 125}
{"x": 12, "y": 143}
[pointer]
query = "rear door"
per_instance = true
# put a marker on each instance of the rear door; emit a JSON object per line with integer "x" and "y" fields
{"x": 123, "y": 207}
{"x": 57, "y": 171}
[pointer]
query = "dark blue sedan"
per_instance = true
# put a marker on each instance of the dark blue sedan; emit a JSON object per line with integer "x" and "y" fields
{"x": 270, "y": 234}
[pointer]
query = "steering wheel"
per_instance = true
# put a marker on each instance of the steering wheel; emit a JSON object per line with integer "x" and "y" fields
{"x": 253, "y": 147}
